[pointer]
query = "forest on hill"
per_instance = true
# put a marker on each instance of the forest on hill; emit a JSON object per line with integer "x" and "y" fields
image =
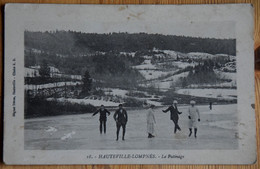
{"x": 71, "y": 43}
{"x": 108, "y": 56}
{"x": 136, "y": 69}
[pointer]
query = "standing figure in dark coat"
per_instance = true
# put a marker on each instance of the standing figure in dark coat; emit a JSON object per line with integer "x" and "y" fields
{"x": 102, "y": 118}
{"x": 210, "y": 105}
{"x": 174, "y": 116}
{"x": 121, "y": 118}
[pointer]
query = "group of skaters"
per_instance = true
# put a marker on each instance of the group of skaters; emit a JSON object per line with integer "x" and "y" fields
{"x": 194, "y": 117}
{"x": 121, "y": 118}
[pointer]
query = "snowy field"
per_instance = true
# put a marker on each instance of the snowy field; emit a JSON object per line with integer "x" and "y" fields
{"x": 217, "y": 130}
{"x": 146, "y": 65}
{"x": 211, "y": 93}
{"x": 166, "y": 83}
{"x": 152, "y": 74}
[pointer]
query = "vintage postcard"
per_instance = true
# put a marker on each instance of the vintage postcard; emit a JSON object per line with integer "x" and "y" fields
{"x": 129, "y": 84}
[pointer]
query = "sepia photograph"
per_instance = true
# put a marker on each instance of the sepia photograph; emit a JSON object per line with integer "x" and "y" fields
{"x": 126, "y": 86}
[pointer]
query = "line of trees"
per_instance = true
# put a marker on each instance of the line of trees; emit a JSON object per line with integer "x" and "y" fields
{"x": 200, "y": 74}
{"x": 77, "y": 43}
{"x": 40, "y": 107}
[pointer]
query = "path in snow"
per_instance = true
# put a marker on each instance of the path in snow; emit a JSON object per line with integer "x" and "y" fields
{"x": 217, "y": 130}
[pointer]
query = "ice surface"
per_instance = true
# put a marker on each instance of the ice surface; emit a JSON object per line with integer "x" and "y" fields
{"x": 223, "y": 124}
{"x": 51, "y": 129}
{"x": 68, "y": 135}
{"x": 214, "y": 131}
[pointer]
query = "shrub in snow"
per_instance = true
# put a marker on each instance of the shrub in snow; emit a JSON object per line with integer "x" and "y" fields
{"x": 40, "y": 107}
{"x": 132, "y": 102}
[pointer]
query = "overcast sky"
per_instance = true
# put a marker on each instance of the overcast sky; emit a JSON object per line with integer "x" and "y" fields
{"x": 215, "y": 21}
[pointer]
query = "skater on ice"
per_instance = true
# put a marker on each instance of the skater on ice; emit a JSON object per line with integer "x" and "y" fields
{"x": 102, "y": 117}
{"x": 174, "y": 115}
{"x": 121, "y": 118}
{"x": 194, "y": 116}
{"x": 150, "y": 122}
{"x": 210, "y": 105}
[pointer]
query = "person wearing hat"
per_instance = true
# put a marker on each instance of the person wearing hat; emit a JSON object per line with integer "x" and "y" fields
{"x": 121, "y": 118}
{"x": 150, "y": 118}
{"x": 194, "y": 116}
{"x": 102, "y": 117}
{"x": 174, "y": 115}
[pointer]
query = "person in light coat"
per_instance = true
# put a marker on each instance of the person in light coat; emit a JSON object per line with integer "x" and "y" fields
{"x": 150, "y": 121}
{"x": 194, "y": 117}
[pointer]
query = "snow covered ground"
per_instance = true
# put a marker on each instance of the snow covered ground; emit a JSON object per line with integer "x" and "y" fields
{"x": 146, "y": 65}
{"x": 227, "y": 75}
{"x": 150, "y": 102}
{"x": 108, "y": 102}
{"x": 217, "y": 130}
{"x": 231, "y": 57}
{"x": 200, "y": 55}
{"x": 166, "y": 83}
{"x": 128, "y": 53}
{"x": 211, "y": 93}
{"x": 152, "y": 74}
{"x": 169, "y": 53}
{"x": 149, "y": 70}
{"x": 174, "y": 78}
{"x": 115, "y": 92}
{"x": 183, "y": 65}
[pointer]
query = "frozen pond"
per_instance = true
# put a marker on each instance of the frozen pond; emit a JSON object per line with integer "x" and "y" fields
{"x": 217, "y": 130}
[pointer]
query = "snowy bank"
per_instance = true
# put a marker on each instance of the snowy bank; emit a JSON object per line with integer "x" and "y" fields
{"x": 86, "y": 101}
{"x": 211, "y": 93}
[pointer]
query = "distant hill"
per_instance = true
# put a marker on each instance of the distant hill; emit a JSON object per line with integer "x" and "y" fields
{"x": 71, "y": 43}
